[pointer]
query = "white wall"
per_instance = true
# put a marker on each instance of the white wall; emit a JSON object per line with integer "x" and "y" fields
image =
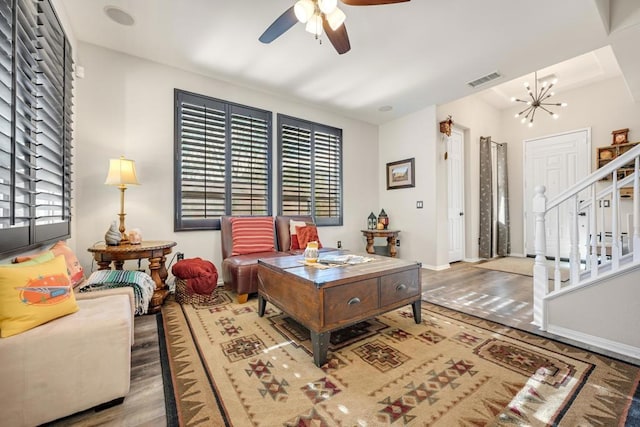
{"x": 603, "y": 107}
{"x": 125, "y": 106}
{"x": 413, "y": 136}
{"x": 476, "y": 118}
{"x": 595, "y": 314}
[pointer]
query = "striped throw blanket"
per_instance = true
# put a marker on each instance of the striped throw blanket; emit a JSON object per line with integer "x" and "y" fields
{"x": 142, "y": 284}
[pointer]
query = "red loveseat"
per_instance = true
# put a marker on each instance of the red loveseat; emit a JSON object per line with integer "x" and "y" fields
{"x": 240, "y": 272}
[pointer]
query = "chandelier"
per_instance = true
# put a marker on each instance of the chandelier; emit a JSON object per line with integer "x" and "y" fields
{"x": 537, "y": 100}
{"x": 311, "y": 12}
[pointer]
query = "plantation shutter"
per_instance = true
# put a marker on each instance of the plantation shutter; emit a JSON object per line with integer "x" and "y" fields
{"x": 53, "y": 159}
{"x": 222, "y": 161}
{"x": 328, "y": 177}
{"x": 310, "y": 165}
{"x": 35, "y": 126}
{"x": 295, "y": 178}
{"x": 249, "y": 162}
{"x": 201, "y": 153}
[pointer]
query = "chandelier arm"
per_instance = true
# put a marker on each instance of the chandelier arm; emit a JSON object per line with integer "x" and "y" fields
{"x": 531, "y": 109}
{"x": 550, "y": 112}
{"x": 526, "y": 110}
{"x": 554, "y": 104}
{"x": 544, "y": 91}
{"x": 533, "y": 114}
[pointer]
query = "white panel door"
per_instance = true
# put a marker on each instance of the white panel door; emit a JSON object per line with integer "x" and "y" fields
{"x": 557, "y": 162}
{"x": 455, "y": 170}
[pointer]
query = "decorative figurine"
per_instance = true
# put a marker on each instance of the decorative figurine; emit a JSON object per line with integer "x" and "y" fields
{"x": 113, "y": 236}
{"x": 135, "y": 237}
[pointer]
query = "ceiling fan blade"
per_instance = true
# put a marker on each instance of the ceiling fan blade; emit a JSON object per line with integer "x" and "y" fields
{"x": 280, "y": 26}
{"x": 370, "y": 2}
{"x": 338, "y": 38}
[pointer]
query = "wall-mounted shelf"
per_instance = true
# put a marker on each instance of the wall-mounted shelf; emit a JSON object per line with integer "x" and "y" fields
{"x": 611, "y": 152}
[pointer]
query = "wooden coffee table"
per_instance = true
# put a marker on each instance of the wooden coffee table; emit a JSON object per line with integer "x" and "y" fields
{"x": 324, "y": 300}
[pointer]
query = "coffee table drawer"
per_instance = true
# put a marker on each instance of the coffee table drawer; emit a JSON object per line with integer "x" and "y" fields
{"x": 399, "y": 286}
{"x": 342, "y": 303}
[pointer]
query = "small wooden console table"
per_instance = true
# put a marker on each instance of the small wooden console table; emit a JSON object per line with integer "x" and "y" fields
{"x": 155, "y": 250}
{"x": 391, "y": 236}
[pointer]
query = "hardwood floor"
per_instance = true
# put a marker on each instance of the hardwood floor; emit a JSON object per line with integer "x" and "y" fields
{"x": 501, "y": 297}
{"x": 504, "y": 298}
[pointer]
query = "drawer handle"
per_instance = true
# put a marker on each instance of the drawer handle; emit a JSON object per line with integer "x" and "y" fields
{"x": 401, "y": 287}
{"x": 354, "y": 300}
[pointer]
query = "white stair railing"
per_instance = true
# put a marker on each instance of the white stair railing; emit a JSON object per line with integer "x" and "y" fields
{"x": 601, "y": 210}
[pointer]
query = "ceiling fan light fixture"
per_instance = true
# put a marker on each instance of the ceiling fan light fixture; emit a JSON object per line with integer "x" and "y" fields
{"x": 314, "y": 25}
{"x": 304, "y": 10}
{"x": 327, "y": 6}
{"x": 336, "y": 18}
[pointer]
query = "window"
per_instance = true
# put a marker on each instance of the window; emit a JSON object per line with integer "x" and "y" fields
{"x": 223, "y": 159}
{"x": 310, "y": 170}
{"x": 35, "y": 126}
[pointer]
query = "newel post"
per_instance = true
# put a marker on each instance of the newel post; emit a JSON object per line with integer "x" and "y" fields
{"x": 540, "y": 273}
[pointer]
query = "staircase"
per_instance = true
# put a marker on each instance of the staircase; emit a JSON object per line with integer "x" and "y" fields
{"x": 600, "y": 303}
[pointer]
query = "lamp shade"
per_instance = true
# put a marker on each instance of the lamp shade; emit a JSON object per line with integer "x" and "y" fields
{"x": 121, "y": 172}
{"x": 303, "y": 10}
{"x": 336, "y": 18}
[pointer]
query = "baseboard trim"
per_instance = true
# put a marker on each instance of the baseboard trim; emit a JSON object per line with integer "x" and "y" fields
{"x": 517, "y": 255}
{"x": 472, "y": 259}
{"x": 599, "y": 342}
{"x": 436, "y": 267}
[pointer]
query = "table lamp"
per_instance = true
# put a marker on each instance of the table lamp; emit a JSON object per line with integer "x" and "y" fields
{"x": 122, "y": 172}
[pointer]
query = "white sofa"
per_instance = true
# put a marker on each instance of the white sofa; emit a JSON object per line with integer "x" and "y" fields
{"x": 70, "y": 364}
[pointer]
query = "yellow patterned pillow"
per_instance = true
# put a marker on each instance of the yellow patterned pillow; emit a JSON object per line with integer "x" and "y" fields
{"x": 34, "y": 294}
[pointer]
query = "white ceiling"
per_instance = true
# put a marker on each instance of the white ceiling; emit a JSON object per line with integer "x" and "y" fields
{"x": 407, "y": 55}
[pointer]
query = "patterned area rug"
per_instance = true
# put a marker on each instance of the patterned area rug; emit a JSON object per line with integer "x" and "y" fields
{"x": 231, "y": 367}
{"x": 522, "y": 266}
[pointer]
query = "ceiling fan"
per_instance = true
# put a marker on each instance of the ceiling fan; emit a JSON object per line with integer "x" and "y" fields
{"x": 319, "y": 15}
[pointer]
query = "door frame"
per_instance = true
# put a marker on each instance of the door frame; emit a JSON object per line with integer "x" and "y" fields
{"x": 461, "y": 183}
{"x": 589, "y": 159}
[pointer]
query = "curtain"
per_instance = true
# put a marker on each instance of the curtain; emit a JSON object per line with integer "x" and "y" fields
{"x": 493, "y": 196}
{"x": 486, "y": 199}
{"x": 502, "y": 202}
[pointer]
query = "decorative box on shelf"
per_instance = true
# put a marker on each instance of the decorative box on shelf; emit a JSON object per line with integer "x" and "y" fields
{"x": 608, "y": 153}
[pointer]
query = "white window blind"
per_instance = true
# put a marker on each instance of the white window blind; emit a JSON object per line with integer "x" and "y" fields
{"x": 35, "y": 126}
{"x": 222, "y": 161}
{"x": 310, "y": 166}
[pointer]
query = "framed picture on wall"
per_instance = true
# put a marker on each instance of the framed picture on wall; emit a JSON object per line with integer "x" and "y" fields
{"x": 401, "y": 174}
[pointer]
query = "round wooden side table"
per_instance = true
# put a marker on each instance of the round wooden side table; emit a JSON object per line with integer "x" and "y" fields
{"x": 155, "y": 251}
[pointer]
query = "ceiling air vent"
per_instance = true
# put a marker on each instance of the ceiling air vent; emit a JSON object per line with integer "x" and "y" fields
{"x": 484, "y": 79}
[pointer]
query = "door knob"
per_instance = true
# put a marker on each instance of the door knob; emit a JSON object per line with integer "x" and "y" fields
{"x": 461, "y": 213}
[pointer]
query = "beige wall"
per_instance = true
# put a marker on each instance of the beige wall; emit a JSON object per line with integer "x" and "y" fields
{"x": 125, "y": 107}
{"x": 413, "y": 136}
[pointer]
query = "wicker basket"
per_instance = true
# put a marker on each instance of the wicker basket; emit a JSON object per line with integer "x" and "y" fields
{"x": 183, "y": 297}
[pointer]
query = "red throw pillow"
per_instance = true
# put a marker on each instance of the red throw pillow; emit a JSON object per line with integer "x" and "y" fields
{"x": 294, "y": 237}
{"x": 306, "y": 234}
{"x": 251, "y": 235}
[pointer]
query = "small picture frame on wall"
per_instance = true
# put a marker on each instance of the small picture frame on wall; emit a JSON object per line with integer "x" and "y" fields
{"x": 620, "y": 136}
{"x": 401, "y": 174}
